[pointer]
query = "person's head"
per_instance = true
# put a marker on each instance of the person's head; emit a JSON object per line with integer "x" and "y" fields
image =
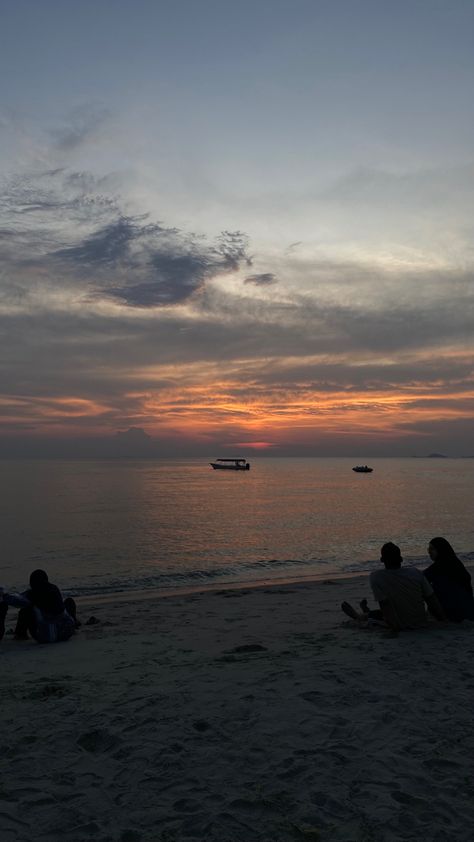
{"x": 439, "y": 549}
{"x": 38, "y": 580}
{"x": 391, "y": 556}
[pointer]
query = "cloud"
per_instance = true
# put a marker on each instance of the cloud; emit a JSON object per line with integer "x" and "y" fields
{"x": 178, "y": 265}
{"x": 140, "y": 320}
{"x": 261, "y": 280}
{"x": 68, "y": 227}
{"x": 429, "y": 186}
{"x": 84, "y": 124}
{"x": 107, "y": 246}
{"x": 132, "y": 442}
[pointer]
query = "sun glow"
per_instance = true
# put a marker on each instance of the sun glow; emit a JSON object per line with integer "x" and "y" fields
{"x": 256, "y": 404}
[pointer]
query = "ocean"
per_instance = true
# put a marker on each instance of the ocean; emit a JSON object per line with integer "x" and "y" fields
{"x": 108, "y": 526}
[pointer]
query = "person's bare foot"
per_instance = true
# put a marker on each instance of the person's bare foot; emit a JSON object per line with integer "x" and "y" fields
{"x": 350, "y": 611}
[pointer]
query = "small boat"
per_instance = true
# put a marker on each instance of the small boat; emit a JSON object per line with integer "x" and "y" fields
{"x": 231, "y": 464}
{"x": 362, "y": 469}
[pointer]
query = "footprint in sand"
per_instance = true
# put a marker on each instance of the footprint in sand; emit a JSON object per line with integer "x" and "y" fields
{"x": 49, "y": 691}
{"x": 186, "y": 805}
{"x": 313, "y": 696}
{"x": 201, "y": 725}
{"x": 409, "y": 800}
{"x": 97, "y": 742}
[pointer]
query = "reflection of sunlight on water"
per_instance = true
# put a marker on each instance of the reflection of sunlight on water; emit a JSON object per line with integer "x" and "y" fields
{"x": 117, "y": 524}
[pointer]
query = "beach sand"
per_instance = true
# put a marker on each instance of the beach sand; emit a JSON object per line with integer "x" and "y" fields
{"x": 239, "y": 715}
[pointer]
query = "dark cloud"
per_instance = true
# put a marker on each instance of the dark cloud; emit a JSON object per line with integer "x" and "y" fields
{"x": 107, "y": 246}
{"x": 73, "y": 230}
{"x": 261, "y": 280}
{"x": 133, "y": 434}
{"x": 176, "y": 266}
{"x": 131, "y": 443}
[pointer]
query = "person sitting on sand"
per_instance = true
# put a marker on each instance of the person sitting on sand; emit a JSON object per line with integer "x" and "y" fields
{"x": 43, "y": 612}
{"x": 450, "y": 581}
{"x": 401, "y": 593}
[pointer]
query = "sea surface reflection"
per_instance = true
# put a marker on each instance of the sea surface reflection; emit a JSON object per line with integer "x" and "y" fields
{"x": 112, "y": 525}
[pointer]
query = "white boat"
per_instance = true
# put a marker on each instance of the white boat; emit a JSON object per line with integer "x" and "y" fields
{"x": 362, "y": 469}
{"x": 231, "y": 464}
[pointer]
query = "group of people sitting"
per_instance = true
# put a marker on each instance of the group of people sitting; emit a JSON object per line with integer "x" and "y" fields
{"x": 402, "y": 592}
{"x": 43, "y": 613}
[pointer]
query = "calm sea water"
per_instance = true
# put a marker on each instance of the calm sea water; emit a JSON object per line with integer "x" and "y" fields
{"x": 109, "y": 526}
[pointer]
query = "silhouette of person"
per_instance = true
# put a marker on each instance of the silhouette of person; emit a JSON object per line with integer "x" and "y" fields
{"x": 401, "y": 593}
{"x": 43, "y": 612}
{"x": 450, "y": 581}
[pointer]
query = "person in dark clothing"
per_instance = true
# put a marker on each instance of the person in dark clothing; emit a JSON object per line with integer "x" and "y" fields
{"x": 43, "y": 612}
{"x": 450, "y": 581}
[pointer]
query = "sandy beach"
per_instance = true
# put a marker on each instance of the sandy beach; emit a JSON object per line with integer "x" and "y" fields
{"x": 234, "y": 716}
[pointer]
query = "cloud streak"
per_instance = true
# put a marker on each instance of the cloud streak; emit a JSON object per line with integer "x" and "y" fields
{"x": 111, "y": 319}
{"x": 261, "y": 280}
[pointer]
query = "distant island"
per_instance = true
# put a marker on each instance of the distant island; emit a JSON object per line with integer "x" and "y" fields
{"x": 430, "y": 456}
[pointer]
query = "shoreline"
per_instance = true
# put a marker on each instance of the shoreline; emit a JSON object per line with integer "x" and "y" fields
{"x": 163, "y": 593}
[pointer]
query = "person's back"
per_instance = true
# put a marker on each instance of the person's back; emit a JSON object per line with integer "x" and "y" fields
{"x": 406, "y": 590}
{"x": 401, "y": 594}
{"x": 52, "y": 621}
{"x": 450, "y": 580}
{"x": 47, "y": 598}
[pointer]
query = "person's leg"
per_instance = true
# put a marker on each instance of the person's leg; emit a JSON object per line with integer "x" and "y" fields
{"x": 376, "y": 615}
{"x": 351, "y": 612}
{"x": 373, "y": 614}
{"x": 71, "y": 609}
{"x": 24, "y": 624}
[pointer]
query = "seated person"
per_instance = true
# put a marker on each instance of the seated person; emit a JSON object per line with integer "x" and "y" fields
{"x": 450, "y": 581}
{"x": 43, "y": 612}
{"x": 401, "y": 594}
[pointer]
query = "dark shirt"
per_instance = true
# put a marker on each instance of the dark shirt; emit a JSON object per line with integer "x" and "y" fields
{"x": 47, "y": 599}
{"x": 452, "y": 585}
{"x": 453, "y": 570}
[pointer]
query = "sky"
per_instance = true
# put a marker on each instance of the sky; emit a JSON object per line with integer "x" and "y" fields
{"x": 229, "y": 228}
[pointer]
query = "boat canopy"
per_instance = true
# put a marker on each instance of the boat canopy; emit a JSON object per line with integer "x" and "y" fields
{"x": 231, "y": 460}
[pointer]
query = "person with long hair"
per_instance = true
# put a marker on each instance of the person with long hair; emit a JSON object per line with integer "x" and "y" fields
{"x": 450, "y": 581}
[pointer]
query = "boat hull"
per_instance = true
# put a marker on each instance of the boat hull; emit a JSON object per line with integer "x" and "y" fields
{"x": 218, "y": 467}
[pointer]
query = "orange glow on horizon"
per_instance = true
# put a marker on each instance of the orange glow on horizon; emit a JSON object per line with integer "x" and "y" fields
{"x": 254, "y": 445}
{"x": 253, "y": 404}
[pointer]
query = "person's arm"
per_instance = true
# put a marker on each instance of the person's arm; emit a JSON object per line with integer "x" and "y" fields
{"x": 389, "y": 615}
{"x": 435, "y": 608}
{"x": 17, "y": 600}
{"x": 379, "y": 590}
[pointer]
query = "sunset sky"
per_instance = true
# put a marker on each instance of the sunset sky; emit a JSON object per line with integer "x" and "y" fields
{"x": 237, "y": 227}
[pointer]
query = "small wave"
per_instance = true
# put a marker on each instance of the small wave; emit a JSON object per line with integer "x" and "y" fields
{"x": 179, "y": 578}
{"x": 368, "y": 565}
